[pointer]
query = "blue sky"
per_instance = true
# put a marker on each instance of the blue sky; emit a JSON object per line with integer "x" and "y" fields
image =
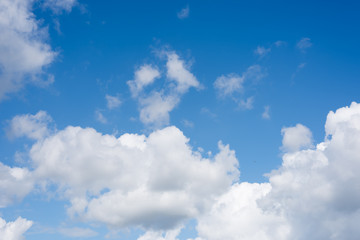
{"x": 137, "y": 120}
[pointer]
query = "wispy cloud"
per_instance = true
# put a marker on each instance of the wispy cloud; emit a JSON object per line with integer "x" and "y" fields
{"x": 184, "y": 13}
{"x": 304, "y": 44}
{"x": 112, "y": 101}
{"x": 266, "y": 113}
{"x": 262, "y": 51}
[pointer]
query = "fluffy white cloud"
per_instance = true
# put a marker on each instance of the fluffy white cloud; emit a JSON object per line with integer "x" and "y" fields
{"x": 144, "y": 76}
{"x": 112, "y": 101}
{"x": 178, "y": 72}
{"x": 31, "y": 126}
{"x": 23, "y": 50}
{"x": 155, "y": 182}
{"x": 14, "y": 230}
{"x": 156, "y": 105}
{"x": 236, "y": 215}
{"x": 155, "y": 108}
{"x": 296, "y": 138}
{"x": 15, "y": 183}
{"x": 313, "y": 195}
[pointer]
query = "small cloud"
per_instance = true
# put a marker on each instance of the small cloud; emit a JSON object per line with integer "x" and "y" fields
{"x": 100, "y": 117}
{"x": 304, "y": 43}
{"x": 31, "y": 126}
{"x": 112, "y": 101}
{"x": 279, "y": 43}
{"x": 262, "y": 51}
{"x": 228, "y": 84}
{"x": 266, "y": 113}
{"x": 184, "y": 13}
{"x": 296, "y": 138}
{"x": 247, "y": 104}
{"x": 188, "y": 123}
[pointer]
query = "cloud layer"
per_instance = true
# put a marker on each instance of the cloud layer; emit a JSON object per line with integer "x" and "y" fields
{"x": 157, "y": 182}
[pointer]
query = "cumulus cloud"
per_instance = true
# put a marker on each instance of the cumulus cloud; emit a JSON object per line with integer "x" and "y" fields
{"x": 14, "y": 230}
{"x": 28, "y": 125}
{"x": 144, "y": 76}
{"x": 155, "y": 182}
{"x": 112, "y": 101}
{"x": 184, "y": 13}
{"x": 155, "y": 105}
{"x": 313, "y": 195}
{"x": 304, "y": 44}
{"x": 15, "y": 184}
{"x": 24, "y": 52}
{"x": 296, "y": 138}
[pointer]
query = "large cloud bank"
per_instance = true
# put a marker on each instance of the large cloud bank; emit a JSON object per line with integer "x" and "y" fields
{"x": 157, "y": 182}
{"x": 315, "y": 194}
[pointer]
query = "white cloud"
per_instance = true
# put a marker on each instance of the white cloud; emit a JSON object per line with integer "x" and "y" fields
{"x": 247, "y": 104}
{"x": 154, "y": 182}
{"x": 266, "y": 113}
{"x": 236, "y": 215}
{"x": 262, "y": 51}
{"x": 100, "y": 117}
{"x": 59, "y": 5}
{"x": 155, "y": 105}
{"x": 178, "y": 72}
{"x": 112, "y": 101}
{"x": 155, "y": 108}
{"x": 304, "y": 43}
{"x": 14, "y": 230}
{"x": 24, "y": 52}
{"x": 31, "y": 126}
{"x": 15, "y": 183}
{"x": 77, "y": 232}
{"x": 144, "y": 76}
{"x": 296, "y": 138}
{"x": 227, "y": 85}
{"x": 313, "y": 195}
{"x": 184, "y": 13}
